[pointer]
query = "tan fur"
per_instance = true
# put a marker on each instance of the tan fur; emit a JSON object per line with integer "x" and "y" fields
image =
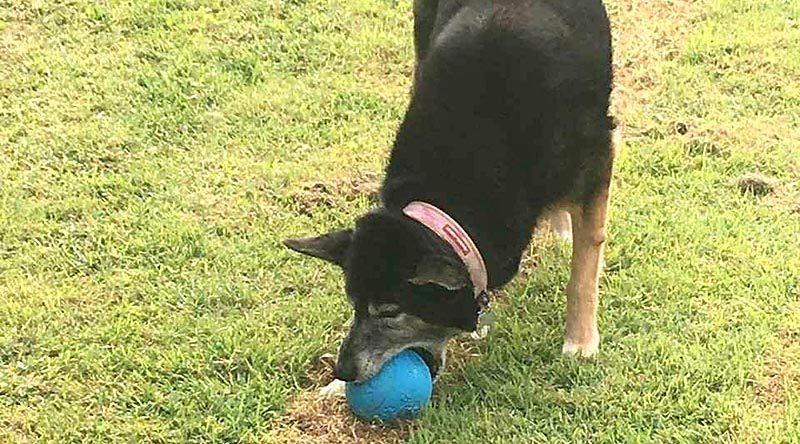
{"x": 588, "y": 239}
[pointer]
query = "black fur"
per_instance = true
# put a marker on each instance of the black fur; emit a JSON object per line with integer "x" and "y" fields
{"x": 508, "y": 116}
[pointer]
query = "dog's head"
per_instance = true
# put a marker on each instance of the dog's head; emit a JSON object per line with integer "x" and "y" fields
{"x": 407, "y": 287}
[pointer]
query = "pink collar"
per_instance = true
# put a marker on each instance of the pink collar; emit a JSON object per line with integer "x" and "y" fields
{"x": 451, "y": 232}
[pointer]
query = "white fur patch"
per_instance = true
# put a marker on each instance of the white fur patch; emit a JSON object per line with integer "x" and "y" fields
{"x": 584, "y": 350}
{"x": 333, "y": 390}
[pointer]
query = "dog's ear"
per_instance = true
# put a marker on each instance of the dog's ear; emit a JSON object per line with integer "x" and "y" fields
{"x": 443, "y": 271}
{"x": 331, "y": 247}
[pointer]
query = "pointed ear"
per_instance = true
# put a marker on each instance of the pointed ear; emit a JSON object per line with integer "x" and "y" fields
{"x": 331, "y": 247}
{"x": 443, "y": 271}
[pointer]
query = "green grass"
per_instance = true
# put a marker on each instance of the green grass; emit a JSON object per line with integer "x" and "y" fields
{"x": 151, "y": 155}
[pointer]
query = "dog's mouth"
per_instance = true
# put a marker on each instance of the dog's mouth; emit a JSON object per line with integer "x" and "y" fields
{"x": 430, "y": 360}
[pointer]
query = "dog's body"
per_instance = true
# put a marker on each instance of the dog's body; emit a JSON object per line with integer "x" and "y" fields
{"x": 508, "y": 120}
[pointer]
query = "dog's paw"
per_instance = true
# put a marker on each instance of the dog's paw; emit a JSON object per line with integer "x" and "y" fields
{"x": 583, "y": 349}
{"x": 333, "y": 390}
{"x": 480, "y": 333}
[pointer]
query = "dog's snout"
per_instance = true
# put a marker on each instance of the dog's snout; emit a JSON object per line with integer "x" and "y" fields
{"x": 346, "y": 370}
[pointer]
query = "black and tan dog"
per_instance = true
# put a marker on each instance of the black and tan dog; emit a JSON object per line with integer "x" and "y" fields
{"x": 508, "y": 123}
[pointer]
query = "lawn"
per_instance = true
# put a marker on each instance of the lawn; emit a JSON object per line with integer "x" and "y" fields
{"x": 153, "y": 155}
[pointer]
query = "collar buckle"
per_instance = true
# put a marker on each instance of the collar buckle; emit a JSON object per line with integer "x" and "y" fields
{"x": 483, "y": 300}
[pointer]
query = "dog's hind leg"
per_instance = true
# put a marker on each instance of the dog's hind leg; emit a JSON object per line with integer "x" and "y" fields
{"x": 588, "y": 238}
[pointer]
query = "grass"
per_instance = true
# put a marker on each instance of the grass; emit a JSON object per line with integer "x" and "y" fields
{"x": 154, "y": 154}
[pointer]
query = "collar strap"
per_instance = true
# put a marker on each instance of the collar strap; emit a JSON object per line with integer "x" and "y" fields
{"x": 451, "y": 232}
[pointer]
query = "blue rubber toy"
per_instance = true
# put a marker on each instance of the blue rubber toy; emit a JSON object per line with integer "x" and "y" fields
{"x": 400, "y": 390}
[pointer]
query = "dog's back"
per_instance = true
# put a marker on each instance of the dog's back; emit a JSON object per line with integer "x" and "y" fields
{"x": 509, "y": 111}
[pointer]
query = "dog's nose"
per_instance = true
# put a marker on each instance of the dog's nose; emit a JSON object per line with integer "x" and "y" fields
{"x": 345, "y": 370}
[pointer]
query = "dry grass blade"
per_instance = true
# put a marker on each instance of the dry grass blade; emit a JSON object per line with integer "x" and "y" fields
{"x": 311, "y": 420}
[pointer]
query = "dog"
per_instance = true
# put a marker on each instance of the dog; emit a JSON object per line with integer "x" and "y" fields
{"x": 508, "y": 124}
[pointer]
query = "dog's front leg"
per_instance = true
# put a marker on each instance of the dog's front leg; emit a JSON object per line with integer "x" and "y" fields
{"x": 588, "y": 238}
{"x": 333, "y": 390}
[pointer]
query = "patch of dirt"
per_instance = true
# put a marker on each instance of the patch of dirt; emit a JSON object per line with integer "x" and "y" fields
{"x": 761, "y": 133}
{"x": 700, "y": 147}
{"x": 781, "y": 195}
{"x": 757, "y": 184}
{"x": 321, "y": 372}
{"x": 769, "y": 393}
{"x": 782, "y": 371}
{"x": 769, "y": 396}
{"x": 310, "y": 420}
{"x": 16, "y": 38}
{"x": 754, "y": 135}
{"x": 316, "y": 194}
{"x": 699, "y": 140}
{"x": 644, "y": 34}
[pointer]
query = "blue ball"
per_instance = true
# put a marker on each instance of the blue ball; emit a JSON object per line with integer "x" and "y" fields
{"x": 401, "y": 389}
